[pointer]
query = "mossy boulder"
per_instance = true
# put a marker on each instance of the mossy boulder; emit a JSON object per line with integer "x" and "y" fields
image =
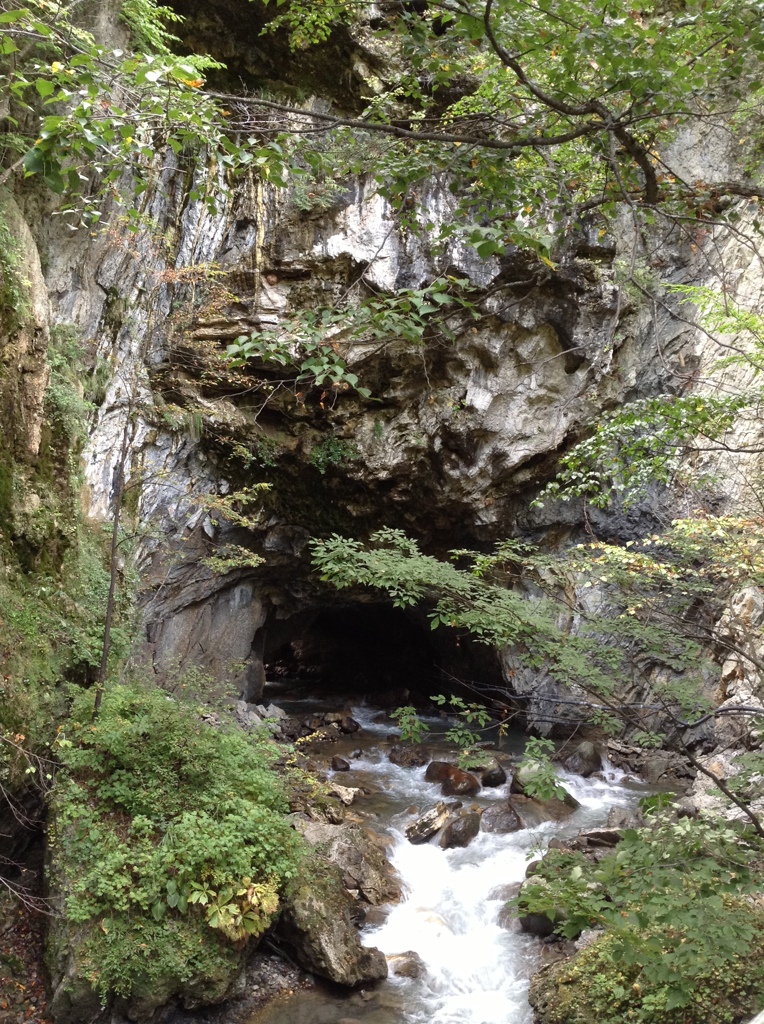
{"x": 209, "y": 971}
{"x": 317, "y": 925}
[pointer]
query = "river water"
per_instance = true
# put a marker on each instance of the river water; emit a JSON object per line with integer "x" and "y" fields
{"x": 476, "y": 970}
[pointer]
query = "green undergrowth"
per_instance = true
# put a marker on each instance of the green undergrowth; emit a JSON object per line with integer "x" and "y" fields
{"x": 678, "y": 903}
{"x": 170, "y": 843}
{"x": 600, "y": 986}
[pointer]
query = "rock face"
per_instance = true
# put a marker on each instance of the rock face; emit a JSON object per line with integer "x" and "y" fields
{"x": 73, "y": 1000}
{"x": 459, "y": 437}
{"x": 317, "y": 925}
{"x": 24, "y": 337}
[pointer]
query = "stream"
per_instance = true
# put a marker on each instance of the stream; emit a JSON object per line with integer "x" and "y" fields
{"x": 477, "y": 971}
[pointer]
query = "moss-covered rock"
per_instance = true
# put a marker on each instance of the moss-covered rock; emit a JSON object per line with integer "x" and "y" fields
{"x": 317, "y": 925}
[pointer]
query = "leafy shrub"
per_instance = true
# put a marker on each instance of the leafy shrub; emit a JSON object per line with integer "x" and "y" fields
{"x": 681, "y": 929}
{"x": 411, "y": 725}
{"x": 164, "y": 828}
{"x": 540, "y": 779}
{"x": 332, "y": 451}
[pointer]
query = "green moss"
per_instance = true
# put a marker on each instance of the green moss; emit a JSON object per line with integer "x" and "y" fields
{"x": 14, "y": 299}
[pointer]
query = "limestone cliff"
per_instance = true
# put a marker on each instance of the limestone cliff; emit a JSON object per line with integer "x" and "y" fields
{"x": 455, "y": 439}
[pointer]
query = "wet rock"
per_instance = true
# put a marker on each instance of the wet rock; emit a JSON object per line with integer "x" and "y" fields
{"x": 428, "y": 824}
{"x": 542, "y": 925}
{"x": 317, "y": 925}
{"x": 526, "y": 777}
{"x": 406, "y": 965}
{"x": 504, "y": 892}
{"x": 409, "y": 755}
{"x": 535, "y": 812}
{"x": 376, "y": 916}
{"x": 500, "y": 819}
{"x": 438, "y": 771}
{"x": 507, "y": 918}
{"x": 460, "y": 783}
{"x": 539, "y": 925}
{"x": 340, "y": 764}
{"x": 585, "y": 760}
{"x": 493, "y": 775}
{"x": 348, "y": 724}
{"x": 460, "y": 831}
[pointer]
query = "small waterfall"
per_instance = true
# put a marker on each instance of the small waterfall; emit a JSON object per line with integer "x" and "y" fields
{"x": 476, "y": 971}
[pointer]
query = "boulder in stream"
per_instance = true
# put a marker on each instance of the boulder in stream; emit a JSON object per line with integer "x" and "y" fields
{"x": 585, "y": 760}
{"x": 346, "y": 794}
{"x": 428, "y": 824}
{"x": 460, "y": 783}
{"x": 539, "y": 924}
{"x": 525, "y": 777}
{"x": 534, "y": 812}
{"x": 409, "y": 755}
{"x": 500, "y": 819}
{"x": 340, "y": 764}
{"x": 460, "y": 831}
{"x": 406, "y": 965}
{"x": 437, "y": 771}
{"x": 493, "y": 775}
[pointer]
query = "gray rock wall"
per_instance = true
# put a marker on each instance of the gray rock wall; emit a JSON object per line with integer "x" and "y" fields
{"x": 458, "y": 437}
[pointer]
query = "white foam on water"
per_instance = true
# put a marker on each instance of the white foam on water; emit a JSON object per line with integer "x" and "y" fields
{"x": 476, "y": 971}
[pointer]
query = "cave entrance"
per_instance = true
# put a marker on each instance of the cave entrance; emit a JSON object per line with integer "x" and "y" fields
{"x": 385, "y": 655}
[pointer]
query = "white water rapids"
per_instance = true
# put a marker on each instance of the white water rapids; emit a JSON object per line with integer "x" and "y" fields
{"x": 476, "y": 972}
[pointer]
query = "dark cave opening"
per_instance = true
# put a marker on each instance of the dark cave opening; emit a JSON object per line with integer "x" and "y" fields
{"x": 386, "y": 655}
